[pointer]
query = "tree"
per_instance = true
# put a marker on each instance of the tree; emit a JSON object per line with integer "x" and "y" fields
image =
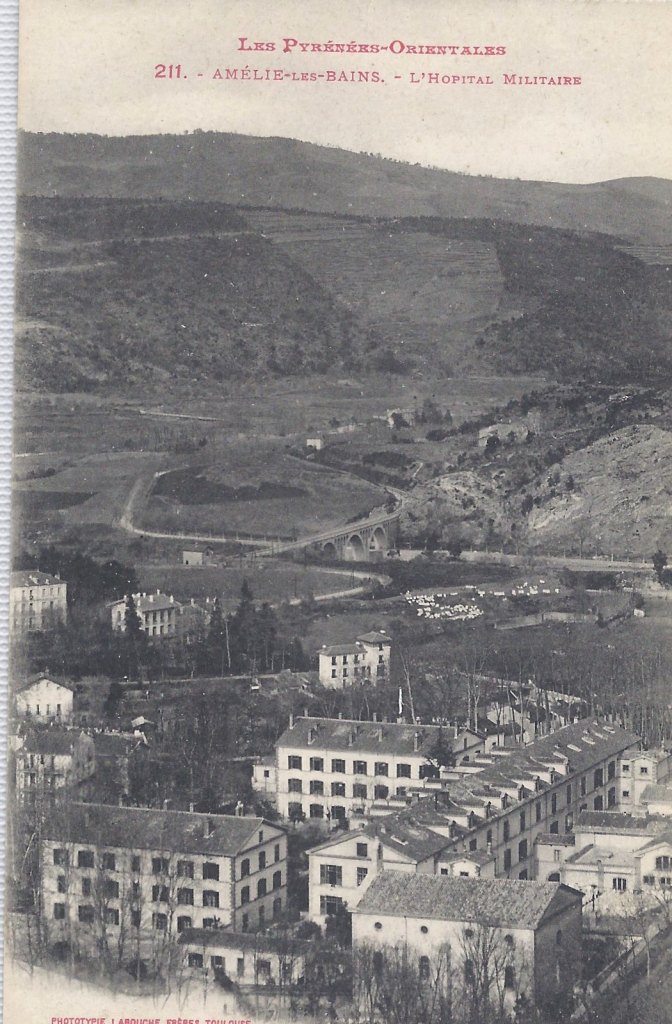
{"x": 218, "y": 637}
{"x": 441, "y": 753}
{"x": 134, "y": 635}
{"x": 397, "y": 985}
{"x": 659, "y": 560}
{"x": 456, "y": 546}
{"x": 339, "y": 927}
{"x": 492, "y": 967}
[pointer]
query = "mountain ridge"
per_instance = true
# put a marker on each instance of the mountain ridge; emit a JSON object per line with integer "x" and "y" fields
{"x": 290, "y": 173}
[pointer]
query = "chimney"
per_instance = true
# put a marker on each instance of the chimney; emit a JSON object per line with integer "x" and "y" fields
{"x": 171, "y": 599}
{"x": 151, "y": 598}
{"x": 191, "y": 807}
{"x": 340, "y": 716}
{"x": 374, "y": 717}
{"x": 416, "y": 741}
{"x": 291, "y": 721}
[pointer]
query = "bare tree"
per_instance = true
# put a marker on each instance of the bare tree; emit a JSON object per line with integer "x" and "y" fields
{"x": 397, "y": 984}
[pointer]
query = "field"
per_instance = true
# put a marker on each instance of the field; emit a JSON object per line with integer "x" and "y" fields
{"x": 70, "y": 446}
{"x": 256, "y": 488}
{"x": 274, "y": 582}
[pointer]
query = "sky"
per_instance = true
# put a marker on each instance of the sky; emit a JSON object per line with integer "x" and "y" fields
{"x": 89, "y": 66}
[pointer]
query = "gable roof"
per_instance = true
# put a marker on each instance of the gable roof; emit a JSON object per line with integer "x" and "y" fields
{"x": 34, "y": 578}
{"x": 374, "y": 637}
{"x": 50, "y": 741}
{"x": 143, "y": 828}
{"x": 620, "y": 821}
{"x": 383, "y": 738}
{"x": 497, "y": 902}
{"x": 657, "y": 792}
{"x": 397, "y": 832}
{"x": 26, "y": 684}
{"x": 345, "y": 648}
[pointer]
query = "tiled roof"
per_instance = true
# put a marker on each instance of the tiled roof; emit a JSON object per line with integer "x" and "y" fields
{"x": 597, "y": 855}
{"x": 142, "y": 828}
{"x": 34, "y": 578}
{"x": 25, "y": 684}
{"x": 345, "y": 648}
{"x": 154, "y": 602}
{"x": 551, "y": 839}
{"x": 500, "y": 902}
{"x": 475, "y": 856}
{"x": 383, "y": 738}
{"x": 222, "y": 938}
{"x": 50, "y": 741}
{"x": 618, "y": 821}
{"x": 374, "y": 638}
{"x": 396, "y": 832}
{"x": 408, "y": 837}
{"x": 657, "y": 793}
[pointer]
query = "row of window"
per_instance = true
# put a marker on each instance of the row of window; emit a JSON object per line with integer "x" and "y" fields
{"x": 360, "y": 791}
{"x": 245, "y": 867}
{"x": 161, "y": 893}
{"x": 261, "y": 887}
{"x": 160, "y": 865}
{"x": 338, "y": 765}
{"x": 262, "y": 968}
{"x": 47, "y": 710}
{"x": 332, "y": 874}
{"x": 86, "y": 914}
{"x": 359, "y": 670}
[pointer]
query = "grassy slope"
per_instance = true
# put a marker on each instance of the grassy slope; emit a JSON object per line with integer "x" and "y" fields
{"x": 205, "y": 295}
{"x": 285, "y": 172}
{"x": 194, "y": 305}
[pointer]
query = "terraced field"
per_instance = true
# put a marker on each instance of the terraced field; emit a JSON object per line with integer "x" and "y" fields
{"x": 402, "y": 282}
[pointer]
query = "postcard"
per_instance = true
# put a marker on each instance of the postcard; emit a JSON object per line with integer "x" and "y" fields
{"x": 341, "y": 594}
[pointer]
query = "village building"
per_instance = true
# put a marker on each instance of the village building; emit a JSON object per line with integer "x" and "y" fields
{"x": 610, "y": 856}
{"x": 42, "y": 699}
{"x": 657, "y": 799}
{"x": 157, "y": 613}
{"x": 37, "y": 601}
{"x": 342, "y": 868}
{"x": 244, "y": 959}
{"x": 330, "y": 769}
{"x": 50, "y": 759}
{"x": 645, "y": 768}
{"x": 530, "y": 933}
{"x": 114, "y": 754}
{"x": 196, "y": 556}
{"x": 492, "y": 805}
{"x": 146, "y": 874}
{"x": 264, "y": 776}
{"x": 162, "y": 617}
{"x": 363, "y": 660}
